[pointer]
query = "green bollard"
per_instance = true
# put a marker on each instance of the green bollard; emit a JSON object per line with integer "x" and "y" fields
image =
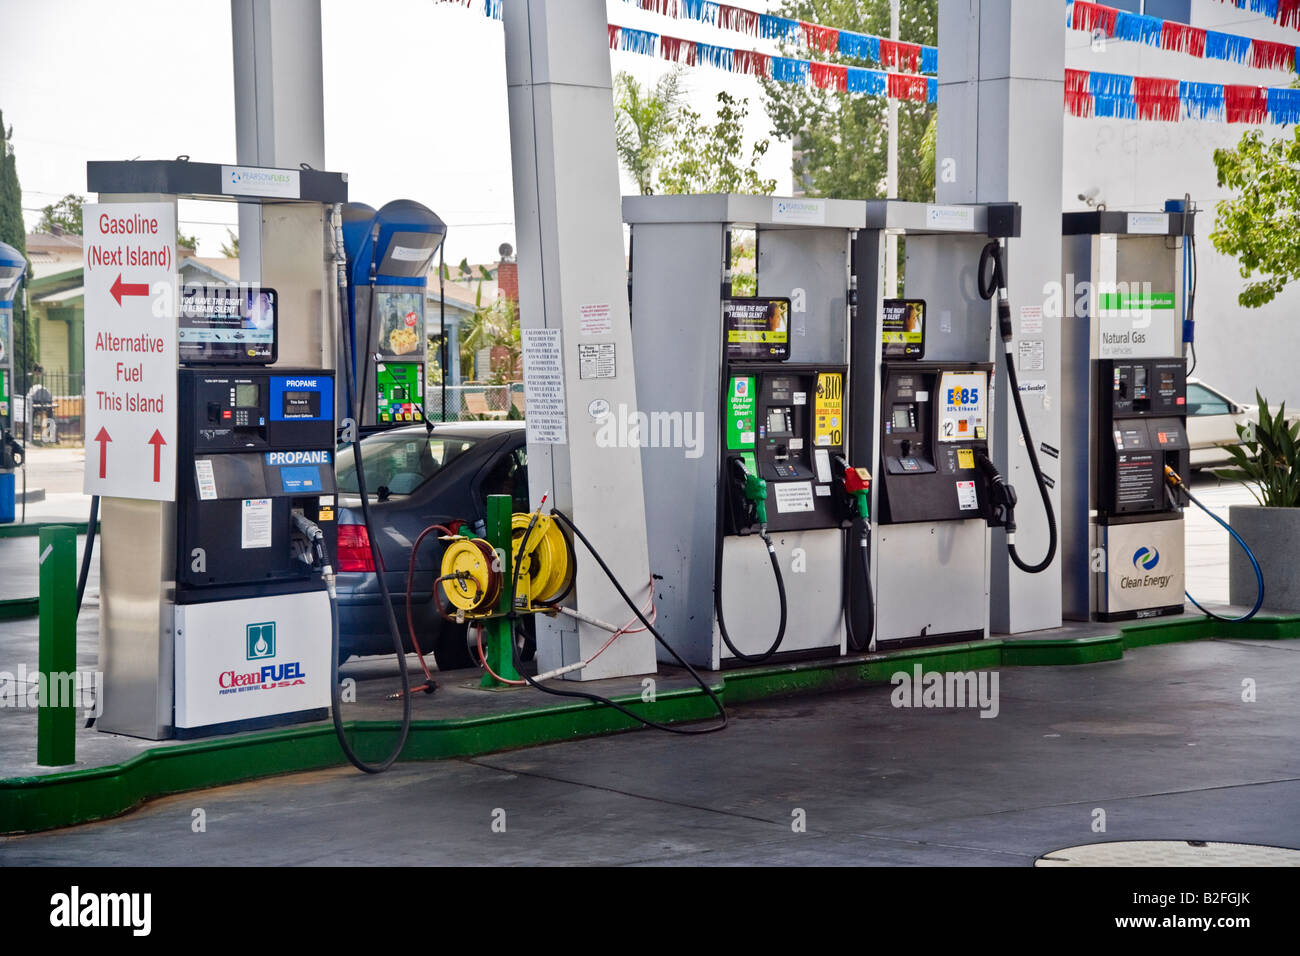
{"x": 56, "y": 715}
{"x": 497, "y": 631}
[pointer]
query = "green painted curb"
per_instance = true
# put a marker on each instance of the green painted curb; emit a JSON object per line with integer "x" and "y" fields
{"x": 29, "y": 804}
{"x": 16, "y": 609}
{"x": 32, "y": 529}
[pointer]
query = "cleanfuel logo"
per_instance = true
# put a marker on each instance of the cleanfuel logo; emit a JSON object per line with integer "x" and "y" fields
{"x": 1146, "y": 559}
{"x": 260, "y": 640}
{"x": 102, "y": 910}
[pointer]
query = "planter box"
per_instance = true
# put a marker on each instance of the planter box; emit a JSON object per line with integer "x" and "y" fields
{"x": 1274, "y": 535}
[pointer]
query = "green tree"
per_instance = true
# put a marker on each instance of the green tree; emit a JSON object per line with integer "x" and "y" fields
{"x": 63, "y": 215}
{"x": 1258, "y": 224}
{"x": 841, "y": 140}
{"x": 702, "y": 158}
{"x": 230, "y": 248}
{"x": 13, "y": 232}
{"x": 490, "y": 325}
{"x": 644, "y": 117}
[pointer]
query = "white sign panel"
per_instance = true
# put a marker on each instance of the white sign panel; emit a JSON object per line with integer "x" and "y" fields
{"x": 805, "y": 212}
{"x": 544, "y": 386}
{"x": 962, "y": 397}
{"x": 241, "y": 660}
{"x": 950, "y": 218}
{"x": 1148, "y": 223}
{"x": 794, "y": 496}
{"x": 130, "y": 340}
{"x": 259, "y": 181}
{"x": 595, "y": 319}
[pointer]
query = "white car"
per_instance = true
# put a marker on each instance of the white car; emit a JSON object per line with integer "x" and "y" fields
{"x": 1212, "y": 420}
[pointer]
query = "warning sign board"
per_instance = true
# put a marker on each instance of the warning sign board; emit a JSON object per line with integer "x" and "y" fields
{"x": 130, "y": 339}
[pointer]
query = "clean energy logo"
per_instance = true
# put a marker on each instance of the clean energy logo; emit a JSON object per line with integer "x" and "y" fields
{"x": 1146, "y": 559}
{"x": 260, "y": 639}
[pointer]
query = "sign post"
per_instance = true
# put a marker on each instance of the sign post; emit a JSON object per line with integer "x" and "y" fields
{"x": 131, "y": 349}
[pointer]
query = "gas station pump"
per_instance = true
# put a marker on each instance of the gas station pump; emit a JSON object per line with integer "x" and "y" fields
{"x": 754, "y": 516}
{"x": 12, "y": 268}
{"x": 1125, "y": 375}
{"x": 389, "y": 254}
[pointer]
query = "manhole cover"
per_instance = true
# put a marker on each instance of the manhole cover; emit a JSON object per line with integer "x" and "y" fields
{"x": 1170, "y": 853}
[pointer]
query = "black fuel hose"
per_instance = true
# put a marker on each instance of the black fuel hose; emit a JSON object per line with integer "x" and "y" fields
{"x": 993, "y": 282}
{"x": 780, "y": 593}
{"x": 375, "y": 556}
{"x": 88, "y": 552}
{"x": 863, "y": 532}
{"x": 596, "y": 698}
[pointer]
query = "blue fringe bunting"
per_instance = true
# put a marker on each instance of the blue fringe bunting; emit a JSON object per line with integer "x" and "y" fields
{"x": 789, "y": 71}
{"x": 706, "y": 11}
{"x": 718, "y": 56}
{"x": 870, "y": 82}
{"x": 494, "y": 9}
{"x": 1284, "y": 106}
{"x": 859, "y": 46}
{"x": 1226, "y": 46}
{"x": 1266, "y": 7}
{"x": 1201, "y": 100}
{"x": 1138, "y": 28}
{"x": 932, "y": 90}
{"x": 1115, "y": 106}
{"x": 1110, "y": 84}
{"x": 929, "y": 59}
{"x": 778, "y": 28}
{"x": 638, "y": 41}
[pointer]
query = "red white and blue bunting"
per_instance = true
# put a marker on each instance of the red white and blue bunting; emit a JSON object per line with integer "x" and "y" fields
{"x": 1285, "y": 13}
{"x": 1171, "y": 35}
{"x": 1116, "y": 96}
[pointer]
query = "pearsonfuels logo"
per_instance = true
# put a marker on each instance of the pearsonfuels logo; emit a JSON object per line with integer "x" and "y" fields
{"x": 1146, "y": 559}
{"x": 260, "y": 639}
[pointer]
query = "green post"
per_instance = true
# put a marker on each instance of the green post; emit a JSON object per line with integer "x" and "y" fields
{"x": 498, "y": 630}
{"x": 56, "y": 715}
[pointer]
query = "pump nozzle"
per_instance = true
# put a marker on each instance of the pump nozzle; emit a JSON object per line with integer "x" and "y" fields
{"x": 754, "y": 489}
{"x": 857, "y": 485}
{"x": 1002, "y": 496}
{"x": 1175, "y": 480}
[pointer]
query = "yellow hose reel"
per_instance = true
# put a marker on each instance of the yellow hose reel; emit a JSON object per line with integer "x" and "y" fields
{"x": 471, "y": 577}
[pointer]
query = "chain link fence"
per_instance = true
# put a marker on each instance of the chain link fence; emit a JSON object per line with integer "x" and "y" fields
{"x": 476, "y": 402}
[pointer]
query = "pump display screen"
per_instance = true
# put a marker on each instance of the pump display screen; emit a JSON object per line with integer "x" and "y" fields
{"x": 757, "y": 329}
{"x": 902, "y": 418}
{"x": 401, "y": 322}
{"x": 778, "y": 421}
{"x": 230, "y": 325}
{"x": 246, "y": 396}
{"x": 902, "y": 328}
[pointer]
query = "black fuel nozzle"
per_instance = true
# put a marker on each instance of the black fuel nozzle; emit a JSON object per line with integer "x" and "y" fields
{"x": 1001, "y": 497}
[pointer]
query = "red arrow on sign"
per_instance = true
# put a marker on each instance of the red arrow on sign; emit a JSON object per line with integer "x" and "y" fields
{"x": 121, "y": 288}
{"x": 103, "y": 440}
{"x": 157, "y": 441}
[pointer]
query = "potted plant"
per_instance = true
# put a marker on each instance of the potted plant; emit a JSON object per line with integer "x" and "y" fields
{"x": 1267, "y": 461}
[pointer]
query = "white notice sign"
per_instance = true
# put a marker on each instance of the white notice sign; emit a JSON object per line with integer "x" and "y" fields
{"x": 544, "y": 386}
{"x": 207, "y": 481}
{"x": 130, "y": 345}
{"x": 595, "y": 319}
{"x": 794, "y": 496}
{"x": 255, "y": 523}
{"x": 596, "y": 360}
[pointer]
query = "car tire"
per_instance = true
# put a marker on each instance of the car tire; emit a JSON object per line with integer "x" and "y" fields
{"x": 451, "y": 649}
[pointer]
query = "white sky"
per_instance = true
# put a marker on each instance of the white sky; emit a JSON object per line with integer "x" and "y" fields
{"x": 85, "y": 79}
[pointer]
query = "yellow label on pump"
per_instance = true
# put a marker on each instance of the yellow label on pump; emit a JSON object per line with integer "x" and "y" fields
{"x": 828, "y": 411}
{"x": 965, "y": 458}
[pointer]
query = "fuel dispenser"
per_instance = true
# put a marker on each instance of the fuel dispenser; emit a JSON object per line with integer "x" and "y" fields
{"x": 13, "y": 266}
{"x": 389, "y": 254}
{"x": 1127, "y": 283}
{"x": 755, "y": 514}
{"x": 929, "y": 423}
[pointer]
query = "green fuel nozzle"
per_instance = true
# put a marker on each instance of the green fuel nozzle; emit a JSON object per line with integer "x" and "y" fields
{"x": 754, "y": 489}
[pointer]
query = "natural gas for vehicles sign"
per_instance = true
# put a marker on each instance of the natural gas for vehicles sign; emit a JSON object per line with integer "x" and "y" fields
{"x": 130, "y": 338}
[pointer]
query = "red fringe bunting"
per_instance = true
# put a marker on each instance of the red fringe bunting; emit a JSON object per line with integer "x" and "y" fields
{"x": 613, "y": 37}
{"x": 900, "y": 56}
{"x": 826, "y": 39}
{"x": 905, "y": 87}
{"x": 1184, "y": 39}
{"x": 1091, "y": 16}
{"x": 665, "y": 8}
{"x": 1266, "y": 55}
{"x": 750, "y": 62}
{"x": 677, "y": 50}
{"x": 1078, "y": 100}
{"x": 1157, "y": 98}
{"x": 1288, "y": 13}
{"x": 829, "y": 76}
{"x": 734, "y": 18}
{"x": 1245, "y": 104}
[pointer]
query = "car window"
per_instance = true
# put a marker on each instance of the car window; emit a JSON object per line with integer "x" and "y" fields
{"x": 400, "y": 463}
{"x": 508, "y": 476}
{"x": 1202, "y": 401}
